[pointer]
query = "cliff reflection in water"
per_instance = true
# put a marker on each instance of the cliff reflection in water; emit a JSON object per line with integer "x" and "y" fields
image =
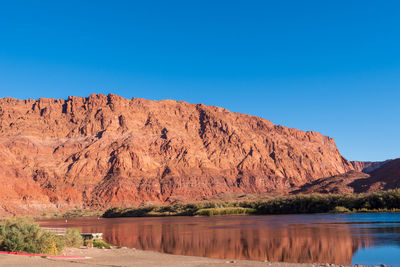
{"x": 293, "y": 244}
{"x": 290, "y": 238}
{"x": 270, "y": 238}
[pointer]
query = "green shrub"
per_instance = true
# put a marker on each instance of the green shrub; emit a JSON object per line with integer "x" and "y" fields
{"x": 113, "y": 212}
{"x": 73, "y": 238}
{"x": 340, "y": 209}
{"x": 100, "y": 244}
{"x": 26, "y": 236}
{"x": 88, "y": 242}
{"x": 224, "y": 211}
{"x": 128, "y": 212}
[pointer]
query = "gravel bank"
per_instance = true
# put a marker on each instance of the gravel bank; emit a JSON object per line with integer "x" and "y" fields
{"x": 133, "y": 257}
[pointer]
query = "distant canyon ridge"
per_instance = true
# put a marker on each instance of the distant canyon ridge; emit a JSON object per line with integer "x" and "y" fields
{"x": 101, "y": 151}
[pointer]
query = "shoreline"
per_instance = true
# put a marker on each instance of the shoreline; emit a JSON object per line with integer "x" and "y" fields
{"x": 134, "y": 257}
{"x": 376, "y": 202}
{"x": 60, "y": 217}
{"x": 317, "y": 203}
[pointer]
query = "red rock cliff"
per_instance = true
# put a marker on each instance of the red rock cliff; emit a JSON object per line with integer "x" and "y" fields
{"x": 107, "y": 150}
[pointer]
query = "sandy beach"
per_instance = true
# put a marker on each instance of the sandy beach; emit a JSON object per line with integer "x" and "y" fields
{"x": 133, "y": 257}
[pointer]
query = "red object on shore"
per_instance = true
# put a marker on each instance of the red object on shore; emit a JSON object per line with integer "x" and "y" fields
{"x": 42, "y": 255}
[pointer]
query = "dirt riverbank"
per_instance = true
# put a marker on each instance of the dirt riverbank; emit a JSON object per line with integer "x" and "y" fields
{"x": 133, "y": 257}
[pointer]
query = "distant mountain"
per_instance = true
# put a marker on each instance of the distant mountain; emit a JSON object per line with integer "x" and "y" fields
{"x": 385, "y": 177}
{"x": 346, "y": 183}
{"x": 368, "y": 166}
{"x": 102, "y": 151}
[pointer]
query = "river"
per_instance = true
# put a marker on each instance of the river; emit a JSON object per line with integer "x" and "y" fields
{"x": 371, "y": 239}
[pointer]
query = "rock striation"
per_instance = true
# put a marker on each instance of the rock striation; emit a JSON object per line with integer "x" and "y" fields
{"x": 100, "y": 151}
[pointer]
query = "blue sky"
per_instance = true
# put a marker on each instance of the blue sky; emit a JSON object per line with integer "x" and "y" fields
{"x": 328, "y": 66}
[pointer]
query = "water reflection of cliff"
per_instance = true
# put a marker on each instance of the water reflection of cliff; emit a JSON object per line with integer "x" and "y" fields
{"x": 232, "y": 238}
{"x": 291, "y": 245}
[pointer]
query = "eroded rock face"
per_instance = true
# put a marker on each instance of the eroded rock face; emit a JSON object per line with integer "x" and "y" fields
{"x": 103, "y": 150}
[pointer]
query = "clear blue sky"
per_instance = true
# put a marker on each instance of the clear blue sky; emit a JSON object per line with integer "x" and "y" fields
{"x": 328, "y": 66}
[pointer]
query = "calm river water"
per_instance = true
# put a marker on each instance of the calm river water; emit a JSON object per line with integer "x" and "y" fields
{"x": 325, "y": 238}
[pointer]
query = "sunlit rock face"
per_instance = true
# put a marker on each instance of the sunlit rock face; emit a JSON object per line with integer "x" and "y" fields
{"x": 102, "y": 151}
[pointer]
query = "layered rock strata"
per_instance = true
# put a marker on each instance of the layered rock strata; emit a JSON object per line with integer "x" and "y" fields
{"x": 102, "y": 151}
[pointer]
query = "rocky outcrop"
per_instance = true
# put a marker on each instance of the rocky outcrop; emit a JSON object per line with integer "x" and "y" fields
{"x": 384, "y": 178}
{"x": 103, "y": 150}
{"x": 347, "y": 183}
{"x": 368, "y": 166}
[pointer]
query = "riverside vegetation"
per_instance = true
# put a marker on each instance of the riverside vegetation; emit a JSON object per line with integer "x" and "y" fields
{"x": 387, "y": 201}
{"x": 76, "y": 212}
{"x": 24, "y": 235}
